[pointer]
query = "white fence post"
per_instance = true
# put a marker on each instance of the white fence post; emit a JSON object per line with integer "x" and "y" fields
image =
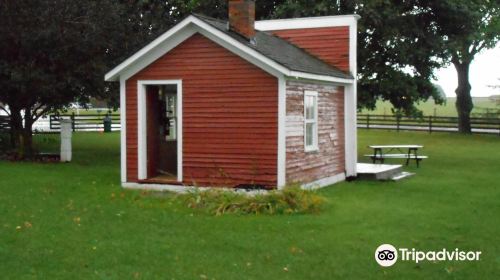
{"x": 66, "y": 133}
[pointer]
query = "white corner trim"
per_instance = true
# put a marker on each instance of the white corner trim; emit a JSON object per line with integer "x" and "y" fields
{"x": 310, "y": 22}
{"x": 353, "y": 50}
{"x": 123, "y": 130}
{"x": 180, "y": 125}
{"x": 142, "y": 149}
{"x": 321, "y": 183}
{"x": 350, "y": 107}
{"x": 351, "y": 155}
{"x": 281, "y": 168}
{"x": 186, "y": 29}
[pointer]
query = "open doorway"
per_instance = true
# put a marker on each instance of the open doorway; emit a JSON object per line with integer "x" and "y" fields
{"x": 162, "y": 127}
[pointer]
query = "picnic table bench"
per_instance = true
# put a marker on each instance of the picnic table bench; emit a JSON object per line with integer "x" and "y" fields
{"x": 411, "y": 153}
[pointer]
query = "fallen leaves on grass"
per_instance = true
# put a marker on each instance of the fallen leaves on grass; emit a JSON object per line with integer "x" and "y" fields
{"x": 25, "y": 225}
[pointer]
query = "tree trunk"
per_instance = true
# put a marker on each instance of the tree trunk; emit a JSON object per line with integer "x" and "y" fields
{"x": 464, "y": 100}
{"x": 21, "y": 133}
{"x": 16, "y": 126}
{"x": 28, "y": 135}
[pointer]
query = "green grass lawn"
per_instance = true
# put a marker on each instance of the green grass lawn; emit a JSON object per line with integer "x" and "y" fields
{"x": 429, "y": 108}
{"x": 73, "y": 221}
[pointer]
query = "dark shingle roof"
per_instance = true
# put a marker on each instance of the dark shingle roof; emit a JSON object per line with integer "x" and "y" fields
{"x": 280, "y": 51}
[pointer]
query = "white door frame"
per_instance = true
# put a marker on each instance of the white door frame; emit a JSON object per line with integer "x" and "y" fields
{"x": 142, "y": 145}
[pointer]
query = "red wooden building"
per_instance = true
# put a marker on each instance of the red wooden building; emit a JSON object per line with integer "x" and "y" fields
{"x": 215, "y": 103}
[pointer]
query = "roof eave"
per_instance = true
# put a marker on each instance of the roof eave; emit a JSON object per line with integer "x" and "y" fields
{"x": 271, "y": 65}
{"x": 317, "y": 77}
{"x": 114, "y": 74}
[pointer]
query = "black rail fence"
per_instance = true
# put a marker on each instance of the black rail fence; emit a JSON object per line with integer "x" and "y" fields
{"x": 92, "y": 122}
{"x": 4, "y": 132}
{"x": 426, "y": 123}
{"x": 431, "y": 124}
{"x": 4, "y": 123}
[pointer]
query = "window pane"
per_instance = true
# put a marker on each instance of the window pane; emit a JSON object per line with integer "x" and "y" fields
{"x": 310, "y": 103}
{"x": 309, "y": 134}
{"x": 171, "y": 116}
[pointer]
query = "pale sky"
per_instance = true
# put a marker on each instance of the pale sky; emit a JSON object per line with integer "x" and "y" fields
{"x": 484, "y": 71}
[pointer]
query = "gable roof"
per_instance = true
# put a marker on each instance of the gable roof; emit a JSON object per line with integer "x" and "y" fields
{"x": 280, "y": 51}
{"x": 268, "y": 52}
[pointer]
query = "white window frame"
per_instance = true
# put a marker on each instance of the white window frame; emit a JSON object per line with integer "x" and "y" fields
{"x": 314, "y": 146}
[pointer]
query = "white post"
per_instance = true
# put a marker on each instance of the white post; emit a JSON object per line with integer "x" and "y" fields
{"x": 66, "y": 131}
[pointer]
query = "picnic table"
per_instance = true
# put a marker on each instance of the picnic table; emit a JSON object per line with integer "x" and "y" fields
{"x": 408, "y": 152}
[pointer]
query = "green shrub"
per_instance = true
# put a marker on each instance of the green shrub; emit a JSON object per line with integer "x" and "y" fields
{"x": 291, "y": 200}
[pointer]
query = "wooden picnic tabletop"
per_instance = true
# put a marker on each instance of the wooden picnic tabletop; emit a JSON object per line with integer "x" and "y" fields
{"x": 396, "y": 146}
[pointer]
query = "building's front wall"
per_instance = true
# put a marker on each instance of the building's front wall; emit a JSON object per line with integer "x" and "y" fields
{"x": 329, "y": 159}
{"x": 230, "y": 115}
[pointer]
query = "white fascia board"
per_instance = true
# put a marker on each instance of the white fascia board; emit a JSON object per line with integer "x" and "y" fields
{"x": 186, "y": 29}
{"x": 316, "y": 77}
{"x": 115, "y": 72}
{"x": 258, "y": 59}
{"x": 310, "y": 22}
{"x": 317, "y": 22}
{"x": 158, "y": 52}
{"x": 180, "y": 33}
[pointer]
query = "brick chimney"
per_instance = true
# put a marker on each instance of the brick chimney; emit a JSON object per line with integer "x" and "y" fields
{"x": 242, "y": 17}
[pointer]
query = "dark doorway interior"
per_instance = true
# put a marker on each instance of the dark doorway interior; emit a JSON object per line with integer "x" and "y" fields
{"x": 161, "y": 108}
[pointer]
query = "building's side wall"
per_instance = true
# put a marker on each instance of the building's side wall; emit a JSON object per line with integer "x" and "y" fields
{"x": 331, "y": 44}
{"x": 230, "y": 115}
{"x": 329, "y": 160}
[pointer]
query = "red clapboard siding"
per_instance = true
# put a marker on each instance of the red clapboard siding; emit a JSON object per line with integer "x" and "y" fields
{"x": 230, "y": 115}
{"x": 331, "y": 44}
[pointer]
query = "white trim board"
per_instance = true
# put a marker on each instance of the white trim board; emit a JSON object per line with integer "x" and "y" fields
{"x": 123, "y": 130}
{"x": 142, "y": 149}
{"x": 309, "y": 22}
{"x": 350, "y": 107}
{"x": 321, "y": 183}
{"x": 186, "y": 29}
{"x": 281, "y": 167}
{"x": 186, "y": 189}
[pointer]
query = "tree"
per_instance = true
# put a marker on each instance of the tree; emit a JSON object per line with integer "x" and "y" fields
{"x": 465, "y": 28}
{"x": 53, "y": 53}
{"x": 396, "y": 49}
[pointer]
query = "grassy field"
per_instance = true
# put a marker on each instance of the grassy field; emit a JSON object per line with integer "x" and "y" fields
{"x": 429, "y": 108}
{"x": 73, "y": 221}
{"x": 481, "y": 105}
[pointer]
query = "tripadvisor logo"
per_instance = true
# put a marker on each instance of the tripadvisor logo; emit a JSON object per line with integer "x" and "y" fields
{"x": 387, "y": 255}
